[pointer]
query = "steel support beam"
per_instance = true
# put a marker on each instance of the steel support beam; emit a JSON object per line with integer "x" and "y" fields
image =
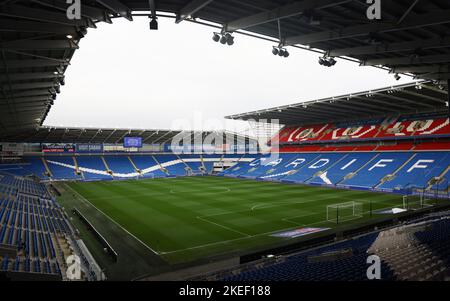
{"x": 27, "y": 76}
{"x": 422, "y": 69}
{"x": 39, "y": 45}
{"x": 27, "y": 86}
{"x": 11, "y": 64}
{"x": 90, "y": 12}
{"x": 423, "y": 96}
{"x": 19, "y": 100}
{"x": 435, "y": 18}
{"x": 117, "y": 7}
{"x": 434, "y": 43}
{"x": 434, "y": 75}
{"x": 36, "y": 92}
{"x": 285, "y": 11}
{"x": 32, "y": 26}
{"x": 42, "y": 15}
{"x": 191, "y": 8}
{"x": 429, "y": 59}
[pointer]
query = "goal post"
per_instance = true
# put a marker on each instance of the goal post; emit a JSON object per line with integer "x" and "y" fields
{"x": 342, "y": 212}
{"x": 417, "y": 201}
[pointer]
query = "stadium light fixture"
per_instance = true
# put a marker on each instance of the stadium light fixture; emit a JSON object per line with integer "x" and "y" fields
{"x": 230, "y": 39}
{"x": 216, "y": 37}
{"x": 225, "y": 38}
{"x": 82, "y": 32}
{"x": 327, "y": 61}
{"x": 280, "y": 51}
{"x": 60, "y": 70}
{"x": 275, "y": 50}
{"x": 154, "y": 23}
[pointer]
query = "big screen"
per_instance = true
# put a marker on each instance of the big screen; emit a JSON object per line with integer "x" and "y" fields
{"x": 132, "y": 142}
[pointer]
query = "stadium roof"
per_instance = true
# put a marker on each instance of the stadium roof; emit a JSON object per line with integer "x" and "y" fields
{"x": 113, "y": 136}
{"x": 37, "y": 40}
{"x": 412, "y": 98}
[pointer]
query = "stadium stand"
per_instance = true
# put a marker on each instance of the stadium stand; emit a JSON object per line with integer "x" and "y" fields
{"x": 194, "y": 164}
{"x": 417, "y": 250}
{"x": 33, "y": 229}
{"x": 93, "y": 168}
{"x": 365, "y": 130}
{"x": 120, "y": 165}
{"x": 372, "y": 140}
{"x": 58, "y": 167}
{"x": 148, "y": 167}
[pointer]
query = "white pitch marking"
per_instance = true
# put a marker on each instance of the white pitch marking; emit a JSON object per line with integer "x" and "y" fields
{"x": 252, "y": 236}
{"x": 225, "y": 190}
{"x": 222, "y": 226}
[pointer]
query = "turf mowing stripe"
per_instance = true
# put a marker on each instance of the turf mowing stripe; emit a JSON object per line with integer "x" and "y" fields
{"x": 120, "y": 226}
{"x": 172, "y": 221}
{"x": 252, "y": 236}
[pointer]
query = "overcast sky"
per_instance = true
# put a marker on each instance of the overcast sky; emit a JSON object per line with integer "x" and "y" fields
{"x": 126, "y": 76}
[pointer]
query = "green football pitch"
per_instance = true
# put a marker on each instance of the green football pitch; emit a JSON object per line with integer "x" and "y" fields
{"x": 185, "y": 219}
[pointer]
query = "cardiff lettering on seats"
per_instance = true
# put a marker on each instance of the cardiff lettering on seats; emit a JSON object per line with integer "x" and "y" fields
{"x": 274, "y": 162}
{"x": 348, "y": 164}
{"x": 419, "y": 165}
{"x": 296, "y": 162}
{"x": 320, "y": 163}
{"x": 381, "y": 163}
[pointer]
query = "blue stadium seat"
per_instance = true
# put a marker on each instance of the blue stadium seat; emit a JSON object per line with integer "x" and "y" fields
{"x": 419, "y": 171}
{"x": 379, "y": 167}
{"x": 319, "y": 164}
{"x": 145, "y": 162}
{"x": 62, "y": 167}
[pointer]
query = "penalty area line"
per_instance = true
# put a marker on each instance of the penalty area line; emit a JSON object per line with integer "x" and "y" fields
{"x": 224, "y": 227}
{"x": 252, "y": 236}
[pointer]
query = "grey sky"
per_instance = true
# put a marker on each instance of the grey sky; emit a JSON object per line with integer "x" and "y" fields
{"x": 126, "y": 76}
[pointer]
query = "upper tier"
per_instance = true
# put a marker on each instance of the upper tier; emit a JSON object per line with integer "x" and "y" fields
{"x": 393, "y": 129}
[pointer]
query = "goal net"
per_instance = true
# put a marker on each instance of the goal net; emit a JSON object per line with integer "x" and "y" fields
{"x": 342, "y": 212}
{"x": 417, "y": 201}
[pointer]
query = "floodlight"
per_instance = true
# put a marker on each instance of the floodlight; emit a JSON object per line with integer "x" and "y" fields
{"x": 153, "y": 24}
{"x": 230, "y": 40}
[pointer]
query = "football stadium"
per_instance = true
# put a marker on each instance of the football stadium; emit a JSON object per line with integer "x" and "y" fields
{"x": 349, "y": 187}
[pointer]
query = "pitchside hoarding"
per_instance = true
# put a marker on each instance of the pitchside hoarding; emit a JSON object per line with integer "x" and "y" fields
{"x": 90, "y": 148}
{"x": 58, "y": 148}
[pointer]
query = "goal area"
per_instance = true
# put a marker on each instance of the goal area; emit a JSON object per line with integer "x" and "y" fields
{"x": 341, "y": 212}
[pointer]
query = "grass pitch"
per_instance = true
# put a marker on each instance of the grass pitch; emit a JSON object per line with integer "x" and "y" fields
{"x": 184, "y": 219}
